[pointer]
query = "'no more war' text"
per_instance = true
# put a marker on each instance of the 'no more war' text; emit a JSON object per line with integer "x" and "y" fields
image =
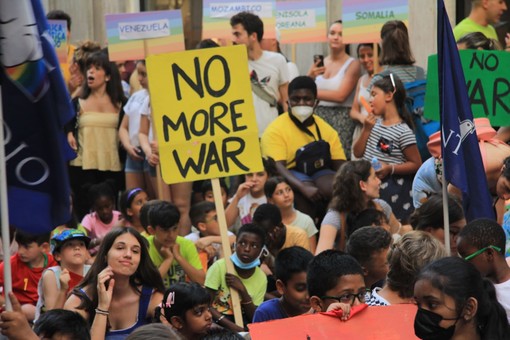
{"x": 207, "y": 126}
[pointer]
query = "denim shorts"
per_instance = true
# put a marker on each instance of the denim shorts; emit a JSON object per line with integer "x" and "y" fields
{"x": 305, "y": 178}
{"x": 135, "y": 166}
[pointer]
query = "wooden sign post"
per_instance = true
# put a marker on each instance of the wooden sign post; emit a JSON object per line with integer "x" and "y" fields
{"x": 205, "y": 123}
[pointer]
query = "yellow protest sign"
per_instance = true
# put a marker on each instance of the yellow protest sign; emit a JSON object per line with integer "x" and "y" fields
{"x": 203, "y": 114}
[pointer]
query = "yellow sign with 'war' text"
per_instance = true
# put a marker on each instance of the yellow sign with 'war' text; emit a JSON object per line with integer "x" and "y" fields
{"x": 203, "y": 114}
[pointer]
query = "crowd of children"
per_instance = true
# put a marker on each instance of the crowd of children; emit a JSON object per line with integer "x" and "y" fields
{"x": 136, "y": 267}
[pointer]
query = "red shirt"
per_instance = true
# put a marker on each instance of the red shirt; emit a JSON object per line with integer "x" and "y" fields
{"x": 25, "y": 279}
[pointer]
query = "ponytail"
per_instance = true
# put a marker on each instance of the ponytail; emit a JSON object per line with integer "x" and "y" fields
{"x": 491, "y": 316}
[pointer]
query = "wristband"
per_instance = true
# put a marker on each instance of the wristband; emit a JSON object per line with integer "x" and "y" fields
{"x": 102, "y": 312}
{"x": 246, "y": 303}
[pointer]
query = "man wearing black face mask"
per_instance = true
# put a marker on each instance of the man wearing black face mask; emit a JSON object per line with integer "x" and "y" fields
{"x": 306, "y": 149}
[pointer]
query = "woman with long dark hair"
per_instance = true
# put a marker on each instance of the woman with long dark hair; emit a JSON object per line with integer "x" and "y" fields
{"x": 355, "y": 188}
{"x": 98, "y": 115}
{"x": 336, "y": 82}
{"x": 121, "y": 289}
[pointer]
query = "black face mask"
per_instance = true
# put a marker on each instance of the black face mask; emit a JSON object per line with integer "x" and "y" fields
{"x": 426, "y": 326}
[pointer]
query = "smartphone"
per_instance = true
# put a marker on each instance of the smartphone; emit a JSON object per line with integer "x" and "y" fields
{"x": 319, "y": 57}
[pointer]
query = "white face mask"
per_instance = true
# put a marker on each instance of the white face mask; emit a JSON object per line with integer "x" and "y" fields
{"x": 302, "y": 113}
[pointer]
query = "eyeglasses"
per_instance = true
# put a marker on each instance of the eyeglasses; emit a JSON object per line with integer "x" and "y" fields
{"x": 393, "y": 83}
{"x": 347, "y": 298}
{"x": 478, "y": 252}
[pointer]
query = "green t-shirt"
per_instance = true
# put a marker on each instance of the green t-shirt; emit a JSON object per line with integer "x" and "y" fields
{"x": 215, "y": 279}
{"x": 468, "y": 26}
{"x": 176, "y": 272}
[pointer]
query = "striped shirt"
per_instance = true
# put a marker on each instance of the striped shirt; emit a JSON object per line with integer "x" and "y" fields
{"x": 387, "y": 143}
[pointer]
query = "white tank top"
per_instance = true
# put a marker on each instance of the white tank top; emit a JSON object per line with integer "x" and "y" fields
{"x": 333, "y": 83}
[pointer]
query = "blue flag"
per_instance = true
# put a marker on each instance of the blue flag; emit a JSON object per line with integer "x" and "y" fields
{"x": 462, "y": 162}
{"x": 36, "y": 105}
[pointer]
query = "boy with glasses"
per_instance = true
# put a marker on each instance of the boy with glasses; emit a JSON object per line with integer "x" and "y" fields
{"x": 335, "y": 281}
{"x": 482, "y": 242}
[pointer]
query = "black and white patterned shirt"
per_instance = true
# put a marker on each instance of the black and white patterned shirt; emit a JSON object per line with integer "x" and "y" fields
{"x": 387, "y": 143}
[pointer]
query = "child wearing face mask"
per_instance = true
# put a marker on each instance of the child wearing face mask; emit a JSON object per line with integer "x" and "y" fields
{"x": 248, "y": 279}
{"x": 454, "y": 302}
{"x": 284, "y": 139}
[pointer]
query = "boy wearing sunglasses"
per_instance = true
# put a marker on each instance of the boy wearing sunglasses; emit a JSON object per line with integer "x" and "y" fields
{"x": 335, "y": 281}
{"x": 482, "y": 242}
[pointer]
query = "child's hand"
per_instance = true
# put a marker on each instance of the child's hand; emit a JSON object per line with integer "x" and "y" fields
{"x": 105, "y": 294}
{"x": 346, "y": 309}
{"x": 14, "y": 324}
{"x": 166, "y": 252}
{"x": 65, "y": 277}
{"x": 384, "y": 171}
{"x": 176, "y": 250}
{"x": 369, "y": 122}
{"x": 234, "y": 282}
{"x": 243, "y": 189}
{"x": 211, "y": 252}
{"x": 203, "y": 242}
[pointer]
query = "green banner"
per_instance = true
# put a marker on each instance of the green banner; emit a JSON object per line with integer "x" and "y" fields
{"x": 487, "y": 76}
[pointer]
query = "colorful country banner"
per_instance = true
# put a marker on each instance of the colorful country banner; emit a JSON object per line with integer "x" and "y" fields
{"x": 301, "y": 21}
{"x": 216, "y": 16}
{"x": 363, "y": 19}
{"x": 58, "y": 31}
{"x": 130, "y": 35}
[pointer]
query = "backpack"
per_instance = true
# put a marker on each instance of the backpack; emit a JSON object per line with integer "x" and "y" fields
{"x": 415, "y": 101}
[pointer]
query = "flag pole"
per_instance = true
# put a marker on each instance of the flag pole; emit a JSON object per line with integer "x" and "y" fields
{"x": 4, "y": 212}
{"x": 444, "y": 183}
{"x": 446, "y": 216}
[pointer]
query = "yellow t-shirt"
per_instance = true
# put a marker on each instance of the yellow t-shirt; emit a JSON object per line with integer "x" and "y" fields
{"x": 64, "y": 67}
{"x": 282, "y": 138}
{"x": 296, "y": 237}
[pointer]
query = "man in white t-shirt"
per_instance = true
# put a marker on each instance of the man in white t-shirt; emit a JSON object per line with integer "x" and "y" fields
{"x": 268, "y": 70}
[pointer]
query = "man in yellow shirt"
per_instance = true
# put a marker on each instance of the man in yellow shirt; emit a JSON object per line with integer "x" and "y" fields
{"x": 290, "y": 133}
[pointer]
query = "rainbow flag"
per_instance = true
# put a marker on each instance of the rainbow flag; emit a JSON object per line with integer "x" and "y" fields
{"x": 36, "y": 105}
{"x": 132, "y": 35}
{"x": 301, "y": 21}
{"x": 363, "y": 19}
{"x": 216, "y": 16}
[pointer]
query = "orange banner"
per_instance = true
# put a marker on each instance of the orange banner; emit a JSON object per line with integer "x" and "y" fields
{"x": 388, "y": 323}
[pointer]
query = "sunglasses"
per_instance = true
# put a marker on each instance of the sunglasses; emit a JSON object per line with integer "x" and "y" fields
{"x": 478, "y": 252}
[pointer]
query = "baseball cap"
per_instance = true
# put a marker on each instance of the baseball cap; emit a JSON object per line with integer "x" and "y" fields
{"x": 58, "y": 240}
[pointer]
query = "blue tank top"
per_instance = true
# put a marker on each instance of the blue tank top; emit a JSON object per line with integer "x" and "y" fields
{"x": 121, "y": 334}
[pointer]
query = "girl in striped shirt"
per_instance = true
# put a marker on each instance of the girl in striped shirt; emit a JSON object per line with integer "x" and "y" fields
{"x": 388, "y": 135}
